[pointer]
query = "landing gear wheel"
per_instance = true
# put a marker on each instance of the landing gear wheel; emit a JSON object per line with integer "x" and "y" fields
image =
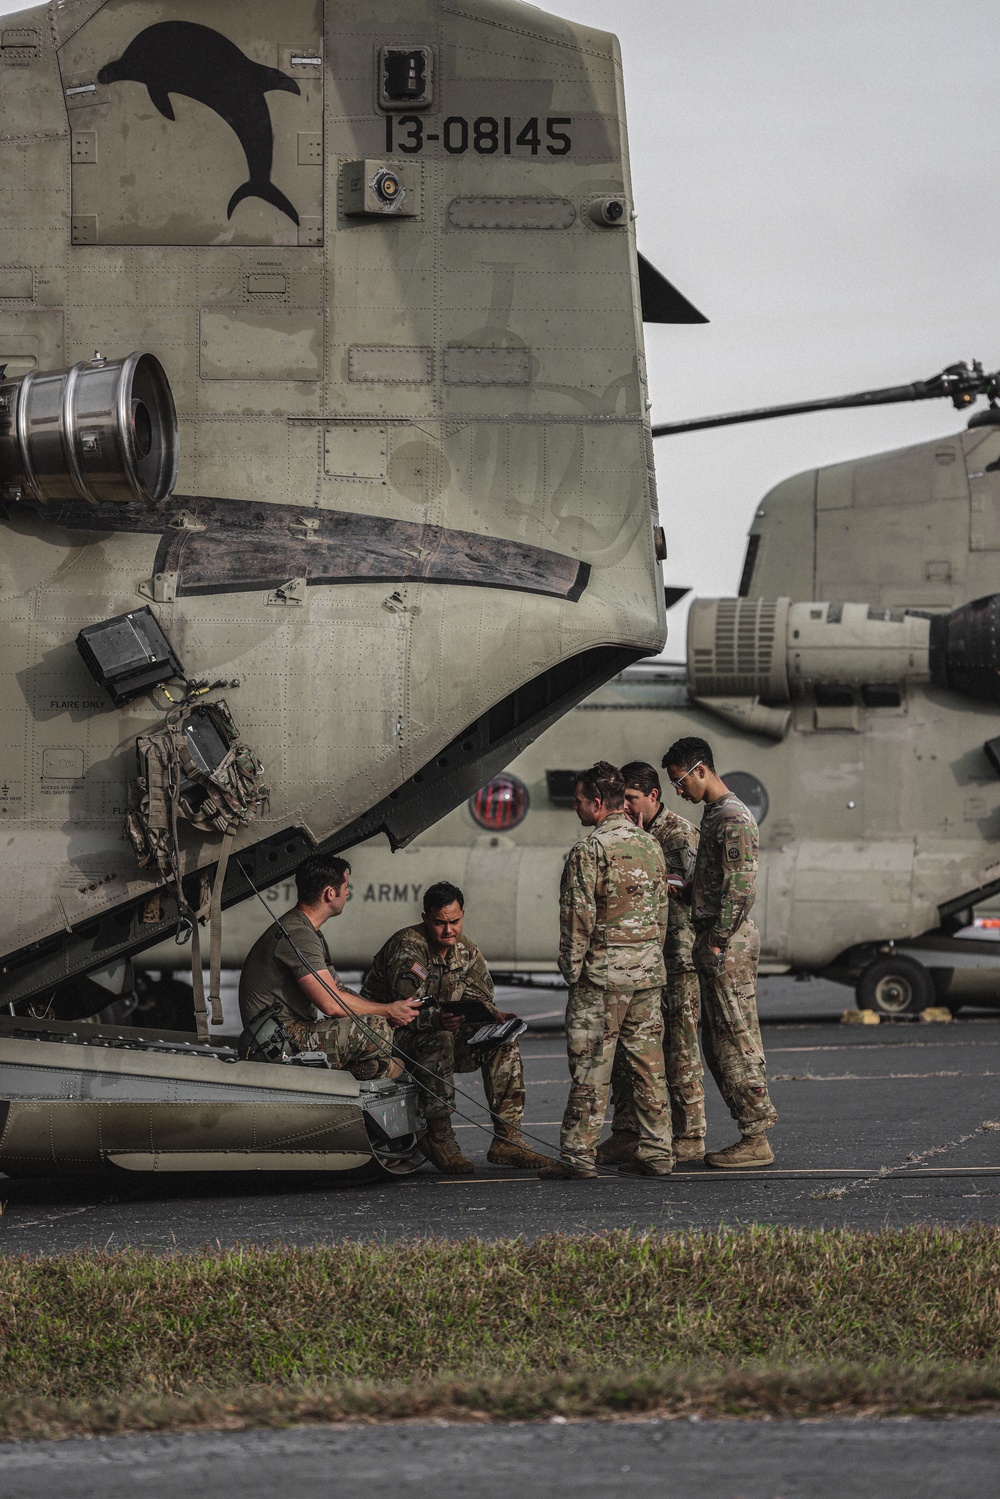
{"x": 895, "y": 986}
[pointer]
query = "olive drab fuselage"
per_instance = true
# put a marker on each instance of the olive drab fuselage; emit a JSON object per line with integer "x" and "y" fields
{"x": 385, "y": 257}
{"x": 882, "y": 815}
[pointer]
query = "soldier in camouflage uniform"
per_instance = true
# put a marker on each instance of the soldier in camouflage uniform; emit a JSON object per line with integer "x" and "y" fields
{"x": 436, "y": 965}
{"x": 289, "y": 966}
{"x": 613, "y": 921}
{"x": 681, "y": 1000}
{"x": 726, "y": 950}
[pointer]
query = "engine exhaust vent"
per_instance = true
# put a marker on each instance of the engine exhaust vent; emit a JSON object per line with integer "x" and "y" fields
{"x": 737, "y": 648}
{"x": 105, "y": 430}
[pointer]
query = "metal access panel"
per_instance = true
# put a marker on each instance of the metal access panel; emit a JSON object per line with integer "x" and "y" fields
{"x": 236, "y": 87}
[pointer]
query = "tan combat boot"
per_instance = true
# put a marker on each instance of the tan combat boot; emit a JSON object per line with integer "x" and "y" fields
{"x": 562, "y": 1171}
{"x": 441, "y": 1148}
{"x": 752, "y": 1150}
{"x": 373, "y": 1067}
{"x": 510, "y": 1148}
{"x": 621, "y": 1147}
{"x": 645, "y": 1168}
{"x": 691, "y": 1148}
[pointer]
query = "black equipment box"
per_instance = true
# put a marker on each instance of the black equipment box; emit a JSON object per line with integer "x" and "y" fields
{"x": 128, "y": 655}
{"x": 471, "y": 1010}
{"x": 209, "y": 741}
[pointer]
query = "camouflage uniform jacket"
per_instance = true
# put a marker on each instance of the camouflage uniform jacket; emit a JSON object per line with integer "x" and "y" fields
{"x": 678, "y": 839}
{"x": 725, "y": 876}
{"x": 613, "y": 908}
{"x": 407, "y": 967}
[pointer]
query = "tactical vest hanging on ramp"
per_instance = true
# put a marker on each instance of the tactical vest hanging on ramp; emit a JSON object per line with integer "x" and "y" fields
{"x": 195, "y": 770}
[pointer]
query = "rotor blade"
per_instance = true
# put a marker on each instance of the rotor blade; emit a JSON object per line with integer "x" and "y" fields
{"x": 960, "y": 382}
{"x": 662, "y": 302}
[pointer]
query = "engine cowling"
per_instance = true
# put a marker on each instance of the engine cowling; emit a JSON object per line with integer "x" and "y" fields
{"x": 779, "y": 652}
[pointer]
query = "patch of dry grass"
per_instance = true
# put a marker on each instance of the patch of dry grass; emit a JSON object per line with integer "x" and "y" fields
{"x": 771, "y": 1321}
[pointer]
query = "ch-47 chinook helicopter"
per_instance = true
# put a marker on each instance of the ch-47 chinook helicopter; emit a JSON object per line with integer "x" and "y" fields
{"x": 364, "y": 447}
{"x": 851, "y": 694}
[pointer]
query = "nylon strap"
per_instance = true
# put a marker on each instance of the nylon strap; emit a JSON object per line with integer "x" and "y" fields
{"x": 215, "y": 929}
{"x": 198, "y": 984}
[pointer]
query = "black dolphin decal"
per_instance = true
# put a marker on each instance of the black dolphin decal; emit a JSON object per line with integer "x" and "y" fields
{"x": 180, "y": 57}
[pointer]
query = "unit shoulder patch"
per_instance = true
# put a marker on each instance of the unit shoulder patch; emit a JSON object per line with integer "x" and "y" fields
{"x": 737, "y": 844}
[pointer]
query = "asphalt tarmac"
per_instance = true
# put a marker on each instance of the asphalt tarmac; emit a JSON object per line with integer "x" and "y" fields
{"x": 894, "y": 1459}
{"x": 879, "y": 1125}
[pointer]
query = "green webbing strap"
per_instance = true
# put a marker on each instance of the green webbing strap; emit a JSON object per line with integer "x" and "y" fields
{"x": 198, "y": 984}
{"x": 215, "y": 929}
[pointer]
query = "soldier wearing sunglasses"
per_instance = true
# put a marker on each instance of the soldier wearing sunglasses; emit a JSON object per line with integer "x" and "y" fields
{"x": 726, "y": 950}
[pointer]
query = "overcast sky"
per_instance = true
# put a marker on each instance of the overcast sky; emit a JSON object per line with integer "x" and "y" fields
{"x": 819, "y": 181}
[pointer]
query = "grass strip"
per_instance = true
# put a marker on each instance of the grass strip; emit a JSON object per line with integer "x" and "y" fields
{"x": 764, "y": 1322}
{"x": 670, "y": 1394}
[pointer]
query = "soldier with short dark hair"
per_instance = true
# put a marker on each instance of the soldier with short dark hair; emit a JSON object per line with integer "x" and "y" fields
{"x": 289, "y": 965}
{"x": 613, "y": 920}
{"x": 435, "y": 963}
{"x": 726, "y": 949}
{"x": 678, "y": 839}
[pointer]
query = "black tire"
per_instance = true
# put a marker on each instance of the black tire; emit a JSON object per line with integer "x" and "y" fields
{"x": 895, "y": 986}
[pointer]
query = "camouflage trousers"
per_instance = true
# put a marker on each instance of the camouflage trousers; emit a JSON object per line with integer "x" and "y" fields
{"x": 362, "y": 1049}
{"x": 601, "y": 1023}
{"x": 682, "y": 1062}
{"x": 731, "y": 1031}
{"x": 443, "y": 1053}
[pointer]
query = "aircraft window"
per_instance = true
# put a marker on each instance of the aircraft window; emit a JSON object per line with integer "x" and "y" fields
{"x": 881, "y": 695}
{"x": 562, "y": 786}
{"x": 750, "y": 791}
{"x": 501, "y": 805}
{"x": 749, "y": 562}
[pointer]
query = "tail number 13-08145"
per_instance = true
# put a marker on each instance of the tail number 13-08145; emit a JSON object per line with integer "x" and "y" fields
{"x": 486, "y": 136}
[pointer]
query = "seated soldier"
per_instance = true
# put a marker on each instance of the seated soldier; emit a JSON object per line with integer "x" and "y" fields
{"x": 434, "y": 962}
{"x": 292, "y": 968}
